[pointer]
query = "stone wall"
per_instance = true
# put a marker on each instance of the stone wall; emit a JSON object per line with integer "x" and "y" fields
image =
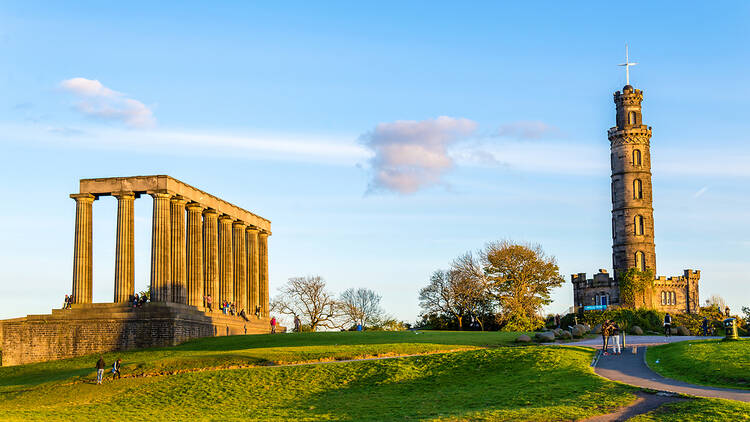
{"x": 97, "y": 328}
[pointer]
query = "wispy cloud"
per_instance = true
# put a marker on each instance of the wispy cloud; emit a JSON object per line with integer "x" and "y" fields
{"x": 98, "y": 101}
{"x": 700, "y": 192}
{"x": 411, "y": 155}
{"x": 527, "y": 129}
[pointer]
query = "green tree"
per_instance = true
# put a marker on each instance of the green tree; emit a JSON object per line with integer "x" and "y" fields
{"x": 520, "y": 278}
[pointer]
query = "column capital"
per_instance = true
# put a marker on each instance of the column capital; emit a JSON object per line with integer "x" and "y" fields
{"x": 161, "y": 195}
{"x": 83, "y": 197}
{"x": 210, "y": 211}
{"x": 263, "y": 233}
{"x": 252, "y": 229}
{"x": 195, "y": 206}
{"x": 179, "y": 199}
{"x": 225, "y": 217}
{"x": 124, "y": 195}
{"x": 239, "y": 224}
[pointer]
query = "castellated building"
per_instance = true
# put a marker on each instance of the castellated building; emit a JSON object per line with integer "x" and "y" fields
{"x": 633, "y": 221}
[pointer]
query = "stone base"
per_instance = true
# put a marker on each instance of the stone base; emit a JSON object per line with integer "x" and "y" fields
{"x": 104, "y": 327}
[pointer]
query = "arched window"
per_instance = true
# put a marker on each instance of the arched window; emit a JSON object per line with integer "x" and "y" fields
{"x": 636, "y": 157}
{"x": 663, "y": 298}
{"x": 640, "y": 261}
{"x": 674, "y": 298}
{"x": 614, "y": 230}
{"x": 638, "y": 225}
{"x": 631, "y": 118}
{"x": 637, "y": 189}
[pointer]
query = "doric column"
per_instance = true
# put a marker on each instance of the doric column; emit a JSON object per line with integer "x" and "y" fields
{"x": 161, "y": 257}
{"x": 226, "y": 279}
{"x": 252, "y": 269}
{"x": 239, "y": 253}
{"x": 177, "y": 234}
{"x": 125, "y": 247}
{"x": 211, "y": 256}
{"x": 263, "y": 258}
{"x": 194, "y": 255}
{"x": 82, "y": 262}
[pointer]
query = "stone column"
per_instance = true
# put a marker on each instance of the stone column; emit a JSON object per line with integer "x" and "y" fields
{"x": 239, "y": 255}
{"x": 211, "y": 256}
{"x": 161, "y": 257}
{"x": 194, "y": 255}
{"x": 252, "y": 269}
{"x": 263, "y": 258}
{"x": 125, "y": 247}
{"x": 177, "y": 234}
{"x": 226, "y": 279}
{"x": 82, "y": 250}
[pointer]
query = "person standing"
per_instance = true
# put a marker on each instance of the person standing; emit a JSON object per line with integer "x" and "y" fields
{"x": 557, "y": 321}
{"x": 100, "y": 365}
{"x": 615, "y": 333}
{"x": 273, "y": 325}
{"x": 116, "y": 369}
{"x": 605, "y": 336}
{"x": 296, "y": 324}
{"x": 667, "y": 325}
{"x": 704, "y": 326}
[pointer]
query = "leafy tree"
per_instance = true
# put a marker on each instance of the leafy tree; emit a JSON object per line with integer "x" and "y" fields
{"x": 308, "y": 298}
{"x": 361, "y": 306}
{"x": 520, "y": 278}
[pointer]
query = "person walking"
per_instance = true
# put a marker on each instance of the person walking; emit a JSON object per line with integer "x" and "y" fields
{"x": 100, "y": 365}
{"x": 296, "y": 324}
{"x": 704, "y": 326}
{"x": 667, "y": 325}
{"x": 116, "y": 369}
{"x": 605, "y": 336}
{"x": 273, "y": 325}
{"x": 615, "y": 333}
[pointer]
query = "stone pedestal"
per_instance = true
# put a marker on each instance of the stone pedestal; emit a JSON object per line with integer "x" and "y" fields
{"x": 82, "y": 252}
{"x": 125, "y": 248}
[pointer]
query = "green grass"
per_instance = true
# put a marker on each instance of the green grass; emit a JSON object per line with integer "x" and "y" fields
{"x": 703, "y": 410}
{"x": 706, "y": 362}
{"x": 504, "y": 383}
{"x": 255, "y": 350}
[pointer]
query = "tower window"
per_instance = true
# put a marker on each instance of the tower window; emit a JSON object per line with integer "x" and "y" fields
{"x": 631, "y": 118}
{"x": 636, "y": 157}
{"x": 663, "y": 298}
{"x": 638, "y": 225}
{"x": 637, "y": 189}
{"x": 640, "y": 261}
{"x": 614, "y": 229}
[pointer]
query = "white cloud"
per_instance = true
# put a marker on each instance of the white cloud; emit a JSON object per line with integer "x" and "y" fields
{"x": 530, "y": 129}
{"x": 98, "y": 101}
{"x": 410, "y": 155}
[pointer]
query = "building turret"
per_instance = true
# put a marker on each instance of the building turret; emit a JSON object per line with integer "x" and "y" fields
{"x": 632, "y": 208}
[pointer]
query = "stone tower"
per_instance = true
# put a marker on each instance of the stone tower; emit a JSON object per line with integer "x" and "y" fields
{"x": 632, "y": 210}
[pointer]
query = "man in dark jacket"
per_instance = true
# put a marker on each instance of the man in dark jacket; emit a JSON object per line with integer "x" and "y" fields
{"x": 667, "y": 325}
{"x": 100, "y": 365}
{"x": 605, "y": 336}
{"x": 704, "y": 326}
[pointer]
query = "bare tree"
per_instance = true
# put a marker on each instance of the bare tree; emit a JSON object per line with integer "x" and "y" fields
{"x": 716, "y": 301}
{"x": 441, "y": 296}
{"x": 307, "y": 298}
{"x": 520, "y": 277}
{"x": 471, "y": 287}
{"x": 361, "y": 306}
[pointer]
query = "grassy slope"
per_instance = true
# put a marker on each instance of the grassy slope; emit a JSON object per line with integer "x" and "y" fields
{"x": 256, "y": 350}
{"x": 707, "y": 362}
{"x": 528, "y": 383}
{"x": 703, "y": 410}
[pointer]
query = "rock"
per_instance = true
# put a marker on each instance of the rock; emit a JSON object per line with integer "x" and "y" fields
{"x": 597, "y": 329}
{"x": 578, "y": 331}
{"x": 558, "y": 332}
{"x": 545, "y": 336}
{"x": 523, "y": 338}
{"x": 673, "y": 331}
{"x": 587, "y": 328}
{"x": 566, "y": 335}
{"x": 682, "y": 331}
{"x": 636, "y": 330}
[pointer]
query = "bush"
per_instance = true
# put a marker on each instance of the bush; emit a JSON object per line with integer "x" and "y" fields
{"x": 647, "y": 319}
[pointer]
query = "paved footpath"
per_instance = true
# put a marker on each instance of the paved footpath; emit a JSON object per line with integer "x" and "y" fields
{"x": 631, "y": 368}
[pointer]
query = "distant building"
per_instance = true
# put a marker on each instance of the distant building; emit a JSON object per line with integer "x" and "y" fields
{"x": 633, "y": 221}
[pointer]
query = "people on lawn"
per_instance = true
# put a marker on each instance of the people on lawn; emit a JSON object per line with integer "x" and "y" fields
{"x": 273, "y": 325}
{"x": 100, "y": 365}
{"x": 297, "y": 324}
{"x": 667, "y": 325}
{"x": 704, "y": 326}
{"x": 116, "y": 369}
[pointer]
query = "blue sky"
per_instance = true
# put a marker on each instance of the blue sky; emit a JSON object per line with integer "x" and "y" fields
{"x": 381, "y": 139}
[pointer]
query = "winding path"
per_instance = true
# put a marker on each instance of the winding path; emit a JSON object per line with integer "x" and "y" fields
{"x": 630, "y": 368}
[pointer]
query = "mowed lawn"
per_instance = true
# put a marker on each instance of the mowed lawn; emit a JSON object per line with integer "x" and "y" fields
{"x": 698, "y": 410}
{"x": 708, "y": 362}
{"x": 502, "y": 383}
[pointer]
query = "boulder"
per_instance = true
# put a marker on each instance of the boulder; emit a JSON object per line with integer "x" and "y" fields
{"x": 587, "y": 328}
{"x": 565, "y": 335}
{"x": 523, "y": 338}
{"x": 597, "y": 329}
{"x": 546, "y": 336}
{"x": 683, "y": 331}
{"x": 558, "y": 332}
{"x": 578, "y": 330}
{"x": 673, "y": 331}
{"x": 636, "y": 330}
